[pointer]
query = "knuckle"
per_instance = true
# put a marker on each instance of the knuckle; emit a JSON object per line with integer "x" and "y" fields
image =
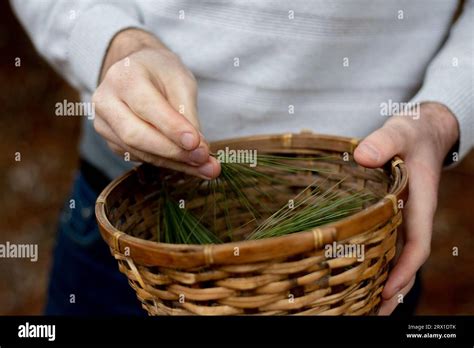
{"x": 188, "y": 79}
{"x": 97, "y": 96}
{"x": 146, "y": 157}
{"x": 115, "y": 73}
{"x": 172, "y": 154}
{"x": 118, "y": 150}
{"x": 157, "y": 161}
{"x": 99, "y": 100}
{"x": 141, "y": 106}
{"x": 191, "y": 79}
{"x": 129, "y": 136}
{"x": 426, "y": 252}
{"x": 102, "y": 102}
{"x": 168, "y": 55}
{"x": 97, "y": 126}
{"x": 401, "y": 126}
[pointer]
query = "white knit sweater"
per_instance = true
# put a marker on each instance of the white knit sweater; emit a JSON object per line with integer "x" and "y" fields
{"x": 276, "y": 65}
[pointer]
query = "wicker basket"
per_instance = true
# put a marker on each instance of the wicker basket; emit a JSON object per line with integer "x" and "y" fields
{"x": 274, "y": 276}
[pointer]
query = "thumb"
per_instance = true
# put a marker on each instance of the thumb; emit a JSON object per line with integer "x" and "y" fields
{"x": 380, "y": 146}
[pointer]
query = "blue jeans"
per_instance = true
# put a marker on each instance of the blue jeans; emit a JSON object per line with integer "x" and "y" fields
{"x": 85, "y": 279}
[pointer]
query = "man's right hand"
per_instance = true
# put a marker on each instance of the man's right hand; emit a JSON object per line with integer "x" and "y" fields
{"x": 146, "y": 105}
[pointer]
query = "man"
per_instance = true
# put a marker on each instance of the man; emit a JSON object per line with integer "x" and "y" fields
{"x": 261, "y": 67}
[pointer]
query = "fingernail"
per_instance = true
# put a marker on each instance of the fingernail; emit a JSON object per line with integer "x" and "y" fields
{"x": 207, "y": 170}
{"x": 199, "y": 155}
{"x": 369, "y": 151}
{"x": 187, "y": 140}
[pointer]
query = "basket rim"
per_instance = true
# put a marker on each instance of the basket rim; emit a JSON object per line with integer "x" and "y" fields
{"x": 152, "y": 253}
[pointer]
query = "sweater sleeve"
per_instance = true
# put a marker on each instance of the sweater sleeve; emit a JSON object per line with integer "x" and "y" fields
{"x": 73, "y": 36}
{"x": 449, "y": 79}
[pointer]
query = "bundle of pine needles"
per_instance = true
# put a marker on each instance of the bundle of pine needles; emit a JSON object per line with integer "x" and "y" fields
{"x": 179, "y": 226}
{"x": 312, "y": 207}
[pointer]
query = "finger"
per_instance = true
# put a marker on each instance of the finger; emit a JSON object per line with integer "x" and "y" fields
{"x": 208, "y": 170}
{"x": 140, "y": 135}
{"x": 150, "y": 105}
{"x": 419, "y": 213}
{"x": 388, "y": 306}
{"x": 122, "y": 152}
{"x": 182, "y": 96}
{"x": 184, "y": 100}
{"x": 113, "y": 141}
{"x": 380, "y": 146}
{"x": 116, "y": 148}
{"x": 103, "y": 128}
{"x": 195, "y": 157}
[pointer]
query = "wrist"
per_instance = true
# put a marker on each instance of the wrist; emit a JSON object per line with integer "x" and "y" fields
{"x": 443, "y": 125}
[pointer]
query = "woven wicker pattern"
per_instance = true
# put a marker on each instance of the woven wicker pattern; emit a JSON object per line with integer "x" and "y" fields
{"x": 274, "y": 276}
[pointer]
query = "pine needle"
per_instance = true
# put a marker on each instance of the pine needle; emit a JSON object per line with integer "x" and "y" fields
{"x": 319, "y": 207}
{"x": 312, "y": 207}
{"x": 182, "y": 227}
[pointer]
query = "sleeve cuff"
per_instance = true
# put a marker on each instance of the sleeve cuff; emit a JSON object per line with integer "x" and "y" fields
{"x": 90, "y": 39}
{"x": 456, "y": 93}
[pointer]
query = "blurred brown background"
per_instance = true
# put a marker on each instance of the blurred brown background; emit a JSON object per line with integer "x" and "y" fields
{"x": 33, "y": 190}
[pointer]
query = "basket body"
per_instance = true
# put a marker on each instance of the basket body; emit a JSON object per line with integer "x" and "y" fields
{"x": 275, "y": 276}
